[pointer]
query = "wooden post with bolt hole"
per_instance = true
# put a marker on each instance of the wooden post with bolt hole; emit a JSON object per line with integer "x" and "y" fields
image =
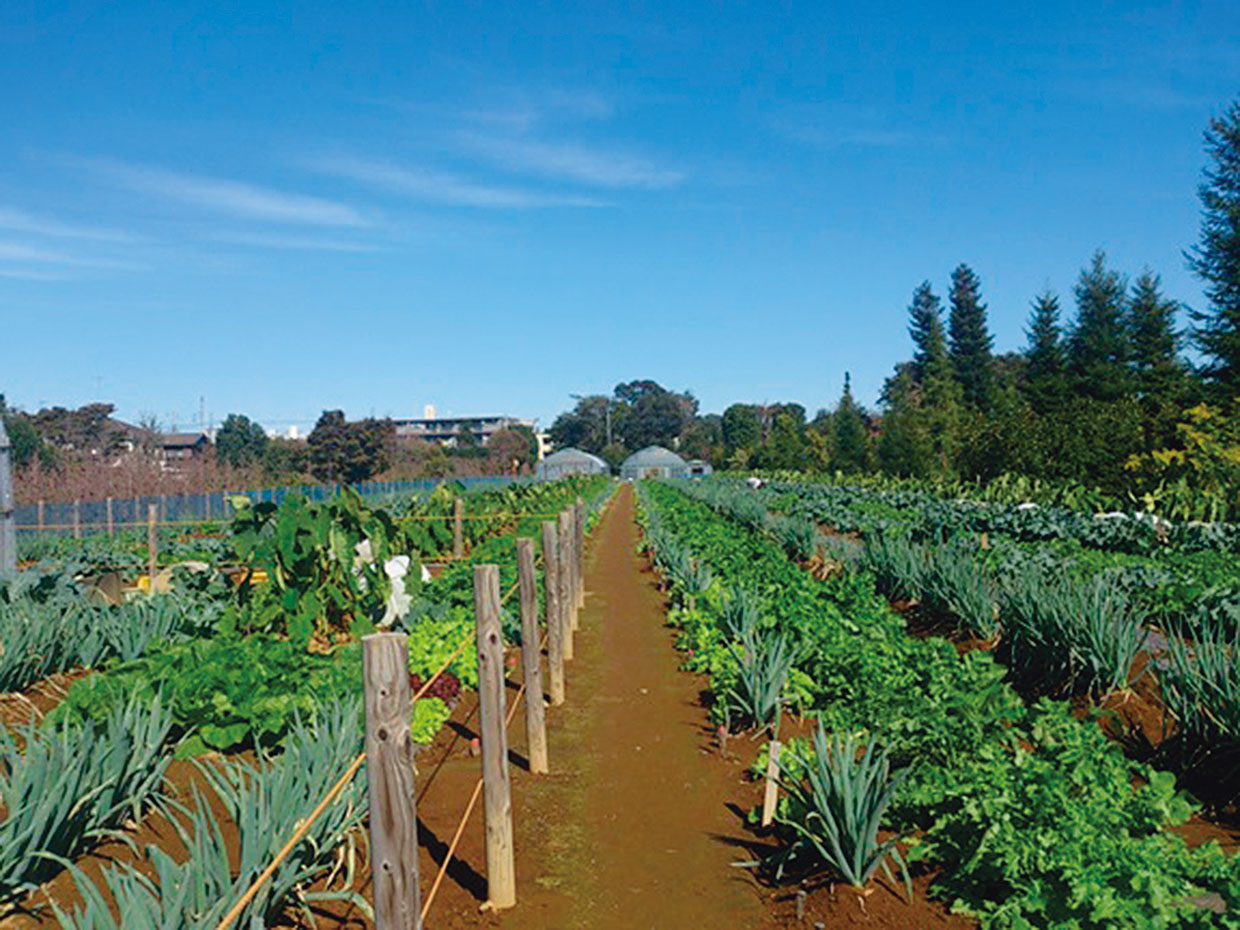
{"x": 555, "y": 629}
{"x": 565, "y": 537}
{"x": 389, "y": 776}
{"x": 579, "y": 538}
{"x": 152, "y": 544}
{"x": 771, "y": 798}
{"x": 458, "y": 535}
{"x": 496, "y": 787}
{"x": 575, "y": 603}
{"x": 531, "y": 659}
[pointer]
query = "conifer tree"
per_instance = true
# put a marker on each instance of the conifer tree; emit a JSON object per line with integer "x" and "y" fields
{"x": 1044, "y": 383}
{"x": 971, "y": 342}
{"x": 851, "y": 452}
{"x": 926, "y": 328}
{"x": 1152, "y": 338}
{"x": 1098, "y": 344}
{"x": 1216, "y": 258}
{"x": 904, "y": 446}
{"x": 1158, "y": 374}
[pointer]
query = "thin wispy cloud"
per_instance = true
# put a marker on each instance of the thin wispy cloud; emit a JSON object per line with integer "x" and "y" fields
{"x": 573, "y": 162}
{"x": 33, "y": 255}
{"x": 19, "y": 221}
{"x": 294, "y": 243}
{"x": 24, "y": 274}
{"x": 234, "y": 198}
{"x": 444, "y": 187}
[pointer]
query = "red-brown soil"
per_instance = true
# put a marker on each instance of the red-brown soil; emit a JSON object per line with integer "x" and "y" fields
{"x": 17, "y": 708}
{"x": 641, "y": 822}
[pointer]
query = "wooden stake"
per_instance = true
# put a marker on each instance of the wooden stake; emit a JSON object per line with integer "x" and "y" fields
{"x": 107, "y": 506}
{"x": 40, "y": 518}
{"x": 771, "y": 798}
{"x": 152, "y": 544}
{"x": 77, "y": 519}
{"x": 8, "y": 521}
{"x": 389, "y": 774}
{"x": 565, "y": 536}
{"x": 531, "y": 661}
{"x": 555, "y": 629}
{"x": 496, "y": 790}
{"x": 579, "y": 539}
{"x": 458, "y": 536}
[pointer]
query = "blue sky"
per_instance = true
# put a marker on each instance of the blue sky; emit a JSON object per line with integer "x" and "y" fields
{"x": 286, "y": 207}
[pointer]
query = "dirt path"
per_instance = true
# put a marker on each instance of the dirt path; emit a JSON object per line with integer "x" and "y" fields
{"x": 631, "y": 830}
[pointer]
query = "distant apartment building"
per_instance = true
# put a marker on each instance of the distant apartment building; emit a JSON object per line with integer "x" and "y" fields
{"x": 447, "y": 430}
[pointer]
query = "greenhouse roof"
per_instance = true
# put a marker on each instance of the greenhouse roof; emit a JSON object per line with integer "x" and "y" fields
{"x": 652, "y": 457}
{"x": 565, "y": 456}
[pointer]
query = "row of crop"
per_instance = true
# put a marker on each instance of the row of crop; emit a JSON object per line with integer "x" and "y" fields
{"x": 1034, "y": 818}
{"x": 227, "y": 691}
{"x": 855, "y": 507}
{"x": 426, "y": 520}
{"x": 1058, "y": 633}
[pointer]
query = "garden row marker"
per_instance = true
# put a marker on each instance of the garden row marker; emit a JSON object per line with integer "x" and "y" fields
{"x": 497, "y": 789}
{"x": 389, "y": 773}
{"x": 771, "y": 797}
{"x": 535, "y": 716}
{"x": 152, "y": 545}
{"x": 107, "y": 507}
{"x": 8, "y": 534}
{"x": 458, "y": 540}
{"x": 565, "y": 537}
{"x": 77, "y": 519}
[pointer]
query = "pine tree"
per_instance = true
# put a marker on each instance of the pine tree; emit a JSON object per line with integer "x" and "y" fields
{"x": 1216, "y": 258}
{"x": 1044, "y": 384}
{"x": 926, "y": 328}
{"x": 851, "y": 452}
{"x": 1158, "y": 373}
{"x": 971, "y": 342}
{"x": 904, "y": 446}
{"x": 1152, "y": 337}
{"x": 932, "y": 371}
{"x": 1098, "y": 344}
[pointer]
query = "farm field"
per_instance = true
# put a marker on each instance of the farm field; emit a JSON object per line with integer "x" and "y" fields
{"x": 960, "y": 740}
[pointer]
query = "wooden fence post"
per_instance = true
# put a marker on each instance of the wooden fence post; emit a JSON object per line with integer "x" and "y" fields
{"x": 579, "y": 538}
{"x": 389, "y": 774}
{"x": 771, "y": 798}
{"x": 496, "y": 788}
{"x": 152, "y": 544}
{"x": 555, "y": 629}
{"x": 77, "y": 519}
{"x": 531, "y": 660}
{"x": 40, "y": 518}
{"x": 8, "y": 525}
{"x": 574, "y": 606}
{"x": 458, "y": 536}
{"x": 565, "y": 537}
{"x": 108, "y": 517}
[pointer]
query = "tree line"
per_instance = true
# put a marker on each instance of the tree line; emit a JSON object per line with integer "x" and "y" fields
{"x": 1102, "y": 392}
